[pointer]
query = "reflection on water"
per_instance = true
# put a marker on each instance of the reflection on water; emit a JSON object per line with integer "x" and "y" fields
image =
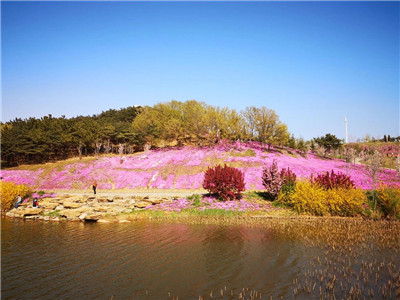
{"x": 147, "y": 260}
{"x": 79, "y": 260}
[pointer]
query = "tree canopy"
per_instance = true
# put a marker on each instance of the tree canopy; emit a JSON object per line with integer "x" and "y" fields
{"x": 39, "y": 140}
{"x": 201, "y": 123}
{"x": 172, "y": 123}
{"x": 329, "y": 142}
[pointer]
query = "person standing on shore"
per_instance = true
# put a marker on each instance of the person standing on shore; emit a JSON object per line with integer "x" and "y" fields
{"x": 19, "y": 201}
{"x": 94, "y": 187}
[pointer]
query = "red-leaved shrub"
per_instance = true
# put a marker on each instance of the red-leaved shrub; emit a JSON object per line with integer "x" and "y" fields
{"x": 271, "y": 180}
{"x": 226, "y": 182}
{"x": 288, "y": 179}
{"x": 333, "y": 181}
{"x": 287, "y": 176}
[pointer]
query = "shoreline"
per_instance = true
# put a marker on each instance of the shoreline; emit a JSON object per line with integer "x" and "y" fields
{"x": 119, "y": 206}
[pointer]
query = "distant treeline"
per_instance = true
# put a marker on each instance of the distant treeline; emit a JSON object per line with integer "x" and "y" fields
{"x": 40, "y": 140}
{"x": 129, "y": 129}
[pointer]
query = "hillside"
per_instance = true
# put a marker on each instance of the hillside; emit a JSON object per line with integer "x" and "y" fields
{"x": 180, "y": 168}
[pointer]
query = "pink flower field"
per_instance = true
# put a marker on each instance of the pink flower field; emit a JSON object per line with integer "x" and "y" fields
{"x": 181, "y": 168}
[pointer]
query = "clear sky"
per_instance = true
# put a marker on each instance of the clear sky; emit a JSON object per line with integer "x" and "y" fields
{"x": 312, "y": 62}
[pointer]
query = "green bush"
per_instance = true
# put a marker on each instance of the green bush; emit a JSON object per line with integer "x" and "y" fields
{"x": 195, "y": 200}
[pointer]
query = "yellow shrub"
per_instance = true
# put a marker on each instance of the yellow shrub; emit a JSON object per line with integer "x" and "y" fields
{"x": 389, "y": 200}
{"x": 345, "y": 202}
{"x": 313, "y": 199}
{"x": 10, "y": 192}
{"x": 309, "y": 198}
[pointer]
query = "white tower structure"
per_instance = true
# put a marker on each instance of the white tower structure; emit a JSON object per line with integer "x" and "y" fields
{"x": 346, "y": 139}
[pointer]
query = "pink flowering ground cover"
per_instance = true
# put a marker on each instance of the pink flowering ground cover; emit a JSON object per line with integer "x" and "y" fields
{"x": 207, "y": 203}
{"x": 183, "y": 168}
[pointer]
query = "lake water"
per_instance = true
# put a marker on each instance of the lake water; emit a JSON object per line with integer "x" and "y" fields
{"x": 150, "y": 260}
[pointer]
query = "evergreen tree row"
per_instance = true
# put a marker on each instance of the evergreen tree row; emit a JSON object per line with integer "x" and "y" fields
{"x": 46, "y": 139}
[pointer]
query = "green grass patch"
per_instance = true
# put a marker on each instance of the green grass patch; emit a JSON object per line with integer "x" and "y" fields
{"x": 248, "y": 152}
{"x": 195, "y": 200}
{"x": 55, "y": 213}
{"x": 214, "y": 213}
{"x": 257, "y": 195}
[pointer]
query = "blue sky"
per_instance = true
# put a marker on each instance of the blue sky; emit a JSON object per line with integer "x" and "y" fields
{"x": 312, "y": 62}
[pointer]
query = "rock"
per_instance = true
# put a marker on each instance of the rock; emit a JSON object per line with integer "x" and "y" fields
{"x": 49, "y": 205}
{"x": 10, "y": 214}
{"x": 119, "y": 210}
{"x": 130, "y": 202}
{"x": 70, "y": 214}
{"x": 84, "y": 208}
{"x": 101, "y": 209}
{"x": 92, "y": 217}
{"x": 80, "y": 199}
{"x": 46, "y": 218}
{"x": 123, "y": 221}
{"x": 103, "y": 221}
{"x": 156, "y": 201}
{"x": 57, "y": 199}
{"x": 71, "y": 204}
{"x": 31, "y": 217}
{"x": 83, "y": 216}
{"x": 141, "y": 204}
{"x": 55, "y": 219}
{"x": 103, "y": 199}
{"x": 60, "y": 207}
{"x": 127, "y": 211}
{"x": 29, "y": 211}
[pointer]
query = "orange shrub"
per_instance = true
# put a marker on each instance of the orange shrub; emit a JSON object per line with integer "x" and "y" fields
{"x": 313, "y": 199}
{"x": 388, "y": 199}
{"x": 10, "y": 192}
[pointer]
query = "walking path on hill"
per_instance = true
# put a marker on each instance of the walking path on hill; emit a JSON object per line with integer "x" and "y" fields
{"x": 151, "y": 193}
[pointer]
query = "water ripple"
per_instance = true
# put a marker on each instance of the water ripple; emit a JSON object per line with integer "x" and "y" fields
{"x": 100, "y": 261}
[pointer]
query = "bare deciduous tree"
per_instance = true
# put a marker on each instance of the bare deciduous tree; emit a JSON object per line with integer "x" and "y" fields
{"x": 319, "y": 150}
{"x": 120, "y": 152}
{"x": 107, "y": 147}
{"x": 80, "y": 150}
{"x": 98, "y": 147}
{"x": 374, "y": 163}
{"x": 147, "y": 147}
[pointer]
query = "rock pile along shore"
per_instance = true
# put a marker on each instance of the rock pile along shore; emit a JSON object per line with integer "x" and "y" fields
{"x": 85, "y": 208}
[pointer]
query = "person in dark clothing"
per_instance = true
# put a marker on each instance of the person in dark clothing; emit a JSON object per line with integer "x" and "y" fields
{"x": 94, "y": 187}
{"x": 35, "y": 203}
